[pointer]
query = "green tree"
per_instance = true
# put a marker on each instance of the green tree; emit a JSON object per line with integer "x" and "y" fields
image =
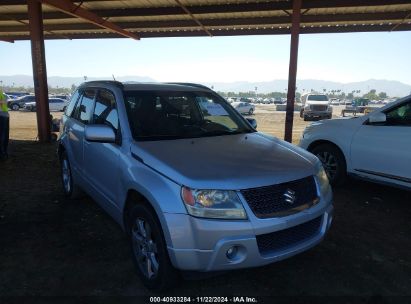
{"x": 382, "y": 95}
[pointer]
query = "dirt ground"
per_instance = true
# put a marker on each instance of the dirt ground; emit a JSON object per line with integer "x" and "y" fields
{"x": 53, "y": 246}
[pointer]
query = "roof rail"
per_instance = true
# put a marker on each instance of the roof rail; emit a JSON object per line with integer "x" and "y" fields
{"x": 196, "y": 85}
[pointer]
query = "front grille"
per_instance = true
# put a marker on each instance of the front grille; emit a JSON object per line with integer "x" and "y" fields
{"x": 319, "y": 108}
{"x": 287, "y": 238}
{"x": 271, "y": 200}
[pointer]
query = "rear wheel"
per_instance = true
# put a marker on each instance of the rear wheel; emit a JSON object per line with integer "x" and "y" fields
{"x": 333, "y": 161}
{"x": 70, "y": 188}
{"x": 149, "y": 250}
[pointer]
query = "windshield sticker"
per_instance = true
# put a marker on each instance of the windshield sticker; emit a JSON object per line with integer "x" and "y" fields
{"x": 214, "y": 109}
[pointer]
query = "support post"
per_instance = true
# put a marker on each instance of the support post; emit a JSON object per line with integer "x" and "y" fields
{"x": 292, "y": 72}
{"x": 39, "y": 69}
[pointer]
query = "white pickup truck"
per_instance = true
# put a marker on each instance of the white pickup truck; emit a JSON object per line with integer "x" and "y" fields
{"x": 315, "y": 106}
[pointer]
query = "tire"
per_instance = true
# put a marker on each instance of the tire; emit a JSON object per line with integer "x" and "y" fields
{"x": 70, "y": 188}
{"x": 15, "y": 107}
{"x": 149, "y": 250}
{"x": 301, "y": 113}
{"x": 250, "y": 112}
{"x": 64, "y": 110}
{"x": 305, "y": 118}
{"x": 333, "y": 161}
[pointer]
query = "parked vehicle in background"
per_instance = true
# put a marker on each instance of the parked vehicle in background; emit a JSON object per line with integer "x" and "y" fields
{"x": 375, "y": 146}
{"x": 18, "y": 103}
{"x": 55, "y": 104}
{"x": 334, "y": 101}
{"x": 315, "y": 106}
{"x": 244, "y": 107}
{"x": 194, "y": 186}
{"x": 278, "y": 101}
{"x": 62, "y": 96}
{"x": 17, "y": 94}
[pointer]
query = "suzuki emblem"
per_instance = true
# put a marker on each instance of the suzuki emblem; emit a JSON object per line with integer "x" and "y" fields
{"x": 289, "y": 196}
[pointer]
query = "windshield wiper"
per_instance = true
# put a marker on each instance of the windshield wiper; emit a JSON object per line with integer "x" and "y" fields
{"x": 221, "y": 132}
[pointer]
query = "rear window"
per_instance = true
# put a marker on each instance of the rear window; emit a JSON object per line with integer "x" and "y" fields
{"x": 317, "y": 97}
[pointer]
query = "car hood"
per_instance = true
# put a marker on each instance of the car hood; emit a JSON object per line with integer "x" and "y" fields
{"x": 226, "y": 162}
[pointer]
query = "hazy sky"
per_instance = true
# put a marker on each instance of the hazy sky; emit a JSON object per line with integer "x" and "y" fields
{"x": 335, "y": 57}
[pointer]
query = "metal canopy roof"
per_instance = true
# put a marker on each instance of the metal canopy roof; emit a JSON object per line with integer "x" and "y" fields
{"x": 65, "y": 19}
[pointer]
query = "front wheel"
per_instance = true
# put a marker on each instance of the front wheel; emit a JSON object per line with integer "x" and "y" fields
{"x": 333, "y": 161}
{"x": 15, "y": 107}
{"x": 149, "y": 250}
{"x": 250, "y": 112}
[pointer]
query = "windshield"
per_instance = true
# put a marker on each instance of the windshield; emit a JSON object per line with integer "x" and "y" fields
{"x": 318, "y": 97}
{"x": 174, "y": 115}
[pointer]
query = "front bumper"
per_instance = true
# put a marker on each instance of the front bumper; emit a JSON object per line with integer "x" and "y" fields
{"x": 202, "y": 244}
{"x": 317, "y": 114}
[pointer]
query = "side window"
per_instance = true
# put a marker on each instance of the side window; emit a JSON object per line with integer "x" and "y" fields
{"x": 399, "y": 116}
{"x": 105, "y": 111}
{"x": 73, "y": 101}
{"x": 84, "y": 106}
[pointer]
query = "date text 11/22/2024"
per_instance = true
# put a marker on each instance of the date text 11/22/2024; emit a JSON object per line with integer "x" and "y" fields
{"x": 235, "y": 299}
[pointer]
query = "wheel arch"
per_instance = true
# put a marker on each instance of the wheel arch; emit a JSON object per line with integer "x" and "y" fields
{"x": 319, "y": 142}
{"x": 135, "y": 197}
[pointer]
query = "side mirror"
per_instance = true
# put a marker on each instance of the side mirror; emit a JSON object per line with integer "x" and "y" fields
{"x": 252, "y": 122}
{"x": 99, "y": 133}
{"x": 377, "y": 117}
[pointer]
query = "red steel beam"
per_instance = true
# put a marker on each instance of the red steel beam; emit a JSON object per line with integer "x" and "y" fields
{"x": 39, "y": 69}
{"x": 72, "y": 9}
{"x": 292, "y": 71}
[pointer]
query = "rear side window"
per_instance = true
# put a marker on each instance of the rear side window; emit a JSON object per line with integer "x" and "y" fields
{"x": 73, "y": 101}
{"x": 84, "y": 107}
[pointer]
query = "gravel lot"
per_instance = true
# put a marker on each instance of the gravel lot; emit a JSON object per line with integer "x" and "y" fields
{"x": 54, "y": 246}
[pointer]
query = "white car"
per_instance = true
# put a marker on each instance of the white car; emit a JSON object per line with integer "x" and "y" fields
{"x": 375, "y": 147}
{"x": 244, "y": 107}
{"x": 55, "y": 104}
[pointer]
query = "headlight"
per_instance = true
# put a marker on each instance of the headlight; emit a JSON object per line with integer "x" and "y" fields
{"x": 213, "y": 203}
{"x": 322, "y": 179}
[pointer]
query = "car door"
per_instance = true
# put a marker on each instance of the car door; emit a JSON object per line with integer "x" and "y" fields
{"x": 101, "y": 159}
{"x": 382, "y": 150}
{"x": 75, "y": 128}
{"x": 52, "y": 104}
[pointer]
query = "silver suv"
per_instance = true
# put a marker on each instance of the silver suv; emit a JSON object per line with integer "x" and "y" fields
{"x": 190, "y": 180}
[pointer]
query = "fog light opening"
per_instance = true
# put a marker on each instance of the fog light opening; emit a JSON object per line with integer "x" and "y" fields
{"x": 232, "y": 252}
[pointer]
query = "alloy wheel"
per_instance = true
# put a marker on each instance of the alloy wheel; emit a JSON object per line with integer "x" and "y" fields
{"x": 145, "y": 248}
{"x": 66, "y": 175}
{"x": 329, "y": 163}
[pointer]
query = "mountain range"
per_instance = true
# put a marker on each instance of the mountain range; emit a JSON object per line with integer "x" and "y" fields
{"x": 391, "y": 87}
